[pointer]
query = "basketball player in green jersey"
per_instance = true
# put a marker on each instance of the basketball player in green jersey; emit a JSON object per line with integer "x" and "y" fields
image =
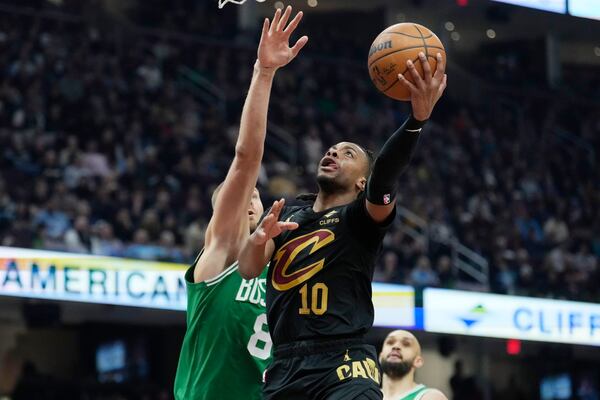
{"x": 227, "y": 345}
{"x": 400, "y": 357}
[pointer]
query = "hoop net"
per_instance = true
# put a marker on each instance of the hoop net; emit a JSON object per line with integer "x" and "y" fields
{"x": 238, "y": 2}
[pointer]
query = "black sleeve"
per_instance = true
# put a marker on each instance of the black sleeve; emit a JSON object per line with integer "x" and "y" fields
{"x": 391, "y": 162}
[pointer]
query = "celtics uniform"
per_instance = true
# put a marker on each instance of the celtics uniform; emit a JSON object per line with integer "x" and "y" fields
{"x": 227, "y": 346}
{"x": 416, "y": 393}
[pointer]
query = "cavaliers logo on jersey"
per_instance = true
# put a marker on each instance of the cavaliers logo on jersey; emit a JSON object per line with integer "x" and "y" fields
{"x": 284, "y": 280}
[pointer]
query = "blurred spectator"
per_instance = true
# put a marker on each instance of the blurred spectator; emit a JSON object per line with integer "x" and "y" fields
{"x": 103, "y": 241}
{"x": 78, "y": 238}
{"x": 444, "y": 272}
{"x": 391, "y": 269}
{"x": 52, "y": 218}
{"x": 505, "y": 278}
{"x": 583, "y": 261}
{"x": 422, "y": 274}
{"x": 525, "y": 272}
{"x": 142, "y": 248}
{"x": 113, "y": 149}
{"x": 556, "y": 230}
{"x": 170, "y": 251}
{"x": 313, "y": 148}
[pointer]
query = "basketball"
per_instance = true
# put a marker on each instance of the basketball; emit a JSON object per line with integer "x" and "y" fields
{"x": 390, "y": 51}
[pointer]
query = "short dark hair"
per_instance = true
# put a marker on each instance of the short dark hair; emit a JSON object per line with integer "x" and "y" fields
{"x": 370, "y": 159}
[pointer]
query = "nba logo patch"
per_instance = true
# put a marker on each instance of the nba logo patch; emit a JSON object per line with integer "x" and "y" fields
{"x": 387, "y": 199}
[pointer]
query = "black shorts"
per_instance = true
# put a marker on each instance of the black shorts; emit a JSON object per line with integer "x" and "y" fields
{"x": 323, "y": 370}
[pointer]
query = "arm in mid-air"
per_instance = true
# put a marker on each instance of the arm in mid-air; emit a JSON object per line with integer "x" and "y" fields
{"x": 229, "y": 222}
{"x": 397, "y": 150}
{"x": 229, "y": 225}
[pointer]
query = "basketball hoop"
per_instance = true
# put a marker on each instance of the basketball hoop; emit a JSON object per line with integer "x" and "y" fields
{"x": 238, "y": 2}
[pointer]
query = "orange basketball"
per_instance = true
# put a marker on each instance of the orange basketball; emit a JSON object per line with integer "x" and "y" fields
{"x": 390, "y": 51}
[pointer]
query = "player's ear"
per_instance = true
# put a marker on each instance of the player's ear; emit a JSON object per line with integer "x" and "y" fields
{"x": 418, "y": 363}
{"x": 361, "y": 184}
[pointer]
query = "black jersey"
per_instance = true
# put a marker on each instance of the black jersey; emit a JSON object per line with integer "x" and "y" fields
{"x": 319, "y": 280}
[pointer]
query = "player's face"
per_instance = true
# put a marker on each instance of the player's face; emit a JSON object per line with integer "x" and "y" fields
{"x": 343, "y": 167}
{"x": 400, "y": 354}
{"x": 255, "y": 210}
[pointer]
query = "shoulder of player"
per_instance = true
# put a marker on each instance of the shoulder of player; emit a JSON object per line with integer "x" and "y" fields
{"x": 354, "y": 205}
{"x": 289, "y": 211}
{"x": 211, "y": 263}
{"x": 360, "y": 200}
{"x": 433, "y": 394}
{"x": 296, "y": 208}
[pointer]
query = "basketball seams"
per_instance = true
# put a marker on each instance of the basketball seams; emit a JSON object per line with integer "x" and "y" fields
{"x": 424, "y": 41}
{"x": 403, "y": 49}
{"x": 407, "y": 35}
{"x": 403, "y": 72}
{"x": 384, "y": 66}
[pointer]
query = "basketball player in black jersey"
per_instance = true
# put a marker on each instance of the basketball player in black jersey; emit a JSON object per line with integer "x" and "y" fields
{"x": 319, "y": 280}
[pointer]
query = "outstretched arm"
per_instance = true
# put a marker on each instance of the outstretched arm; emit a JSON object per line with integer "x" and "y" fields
{"x": 397, "y": 151}
{"x": 229, "y": 224}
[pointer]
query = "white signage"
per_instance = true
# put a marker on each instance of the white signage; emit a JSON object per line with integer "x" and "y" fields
{"x": 585, "y": 8}
{"x": 109, "y": 280}
{"x": 493, "y": 315}
{"x": 91, "y": 279}
{"x": 394, "y": 305}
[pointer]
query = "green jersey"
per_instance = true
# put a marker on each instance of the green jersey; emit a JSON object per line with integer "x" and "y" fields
{"x": 227, "y": 345}
{"x": 415, "y": 394}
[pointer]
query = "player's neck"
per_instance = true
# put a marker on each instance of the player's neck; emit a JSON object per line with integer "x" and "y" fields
{"x": 394, "y": 388}
{"x": 326, "y": 201}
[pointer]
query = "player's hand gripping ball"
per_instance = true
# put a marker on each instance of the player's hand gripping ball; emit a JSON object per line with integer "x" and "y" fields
{"x": 393, "y": 48}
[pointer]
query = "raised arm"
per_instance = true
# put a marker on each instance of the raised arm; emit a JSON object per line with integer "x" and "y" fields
{"x": 229, "y": 224}
{"x": 397, "y": 150}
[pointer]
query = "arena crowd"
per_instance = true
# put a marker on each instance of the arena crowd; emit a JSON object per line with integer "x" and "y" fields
{"x": 113, "y": 147}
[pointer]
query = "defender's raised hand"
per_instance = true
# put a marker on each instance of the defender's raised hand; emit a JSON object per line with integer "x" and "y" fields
{"x": 274, "y": 50}
{"x": 425, "y": 92}
{"x": 270, "y": 226}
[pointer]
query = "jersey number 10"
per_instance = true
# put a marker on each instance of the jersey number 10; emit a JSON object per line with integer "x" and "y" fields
{"x": 318, "y": 303}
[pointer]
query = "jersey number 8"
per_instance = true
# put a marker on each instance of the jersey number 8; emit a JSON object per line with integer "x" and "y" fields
{"x": 260, "y": 343}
